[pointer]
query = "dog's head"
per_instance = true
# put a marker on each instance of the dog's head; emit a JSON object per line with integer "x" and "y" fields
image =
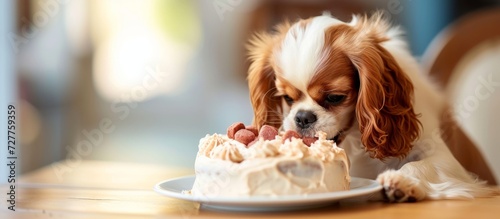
{"x": 324, "y": 74}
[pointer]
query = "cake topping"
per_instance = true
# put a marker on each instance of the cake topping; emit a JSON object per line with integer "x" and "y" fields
{"x": 268, "y": 132}
{"x": 244, "y": 136}
{"x": 253, "y": 129}
{"x": 244, "y": 144}
{"x": 249, "y": 135}
{"x": 309, "y": 140}
{"x": 235, "y": 127}
{"x": 227, "y": 152}
{"x": 289, "y": 134}
{"x": 293, "y": 134}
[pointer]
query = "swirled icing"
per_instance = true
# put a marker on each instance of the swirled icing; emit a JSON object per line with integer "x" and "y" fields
{"x": 294, "y": 148}
{"x": 228, "y": 152}
{"x": 263, "y": 149}
{"x": 209, "y": 142}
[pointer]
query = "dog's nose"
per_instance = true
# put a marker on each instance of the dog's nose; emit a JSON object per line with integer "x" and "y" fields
{"x": 304, "y": 119}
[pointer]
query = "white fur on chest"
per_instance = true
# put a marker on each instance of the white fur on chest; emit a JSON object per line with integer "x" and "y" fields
{"x": 362, "y": 165}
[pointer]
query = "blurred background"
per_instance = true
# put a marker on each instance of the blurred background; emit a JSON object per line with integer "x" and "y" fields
{"x": 144, "y": 80}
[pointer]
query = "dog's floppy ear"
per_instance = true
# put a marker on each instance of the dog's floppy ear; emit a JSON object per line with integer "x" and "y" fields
{"x": 261, "y": 77}
{"x": 384, "y": 109}
{"x": 387, "y": 121}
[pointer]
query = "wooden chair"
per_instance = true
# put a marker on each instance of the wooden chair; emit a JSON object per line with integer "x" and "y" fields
{"x": 440, "y": 61}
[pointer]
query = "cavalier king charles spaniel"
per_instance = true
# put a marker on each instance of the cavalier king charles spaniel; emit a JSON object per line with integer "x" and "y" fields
{"x": 358, "y": 82}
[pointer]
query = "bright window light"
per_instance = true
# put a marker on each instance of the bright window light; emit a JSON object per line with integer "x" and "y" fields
{"x": 135, "y": 57}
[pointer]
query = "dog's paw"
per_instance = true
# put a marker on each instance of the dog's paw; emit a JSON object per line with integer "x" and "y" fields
{"x": 399, "y": 187}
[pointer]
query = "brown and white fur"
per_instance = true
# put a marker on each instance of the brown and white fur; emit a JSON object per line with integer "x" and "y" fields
{"x": 358, "y": 82}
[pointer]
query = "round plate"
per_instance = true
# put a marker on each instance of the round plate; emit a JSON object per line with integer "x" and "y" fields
{"x": 174, "y": 188}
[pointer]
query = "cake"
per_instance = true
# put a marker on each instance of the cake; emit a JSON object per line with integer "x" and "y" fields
{"x": 245, "y": 162}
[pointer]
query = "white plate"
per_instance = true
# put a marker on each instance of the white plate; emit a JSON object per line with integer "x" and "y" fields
{"x": 174, "y": 188}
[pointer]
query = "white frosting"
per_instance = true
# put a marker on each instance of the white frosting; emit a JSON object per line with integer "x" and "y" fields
{"x": 225, "y": 167}
{"x": 226, "y": 151}
{"x": 294, "y": 148}
{"x": 263, "y": 149}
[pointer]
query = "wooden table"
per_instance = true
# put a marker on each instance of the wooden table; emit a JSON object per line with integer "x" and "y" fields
{"x": 95, "y": 189}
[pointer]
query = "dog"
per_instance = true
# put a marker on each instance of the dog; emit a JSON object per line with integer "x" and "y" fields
{"x": 358, "y": 82}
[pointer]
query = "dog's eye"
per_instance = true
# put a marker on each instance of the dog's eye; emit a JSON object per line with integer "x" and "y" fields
{"x": 288, "y": 99}
{"x": 334, "y": 99}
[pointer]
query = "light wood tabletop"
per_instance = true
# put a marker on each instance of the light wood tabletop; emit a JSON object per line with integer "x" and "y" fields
{"x": 97, "y": 189}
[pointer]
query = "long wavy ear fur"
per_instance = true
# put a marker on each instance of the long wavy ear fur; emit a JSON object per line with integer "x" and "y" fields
{"x": 261, "y": 77}
{"x": 261, "y": 83}
{"x": 387, "y": 121}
